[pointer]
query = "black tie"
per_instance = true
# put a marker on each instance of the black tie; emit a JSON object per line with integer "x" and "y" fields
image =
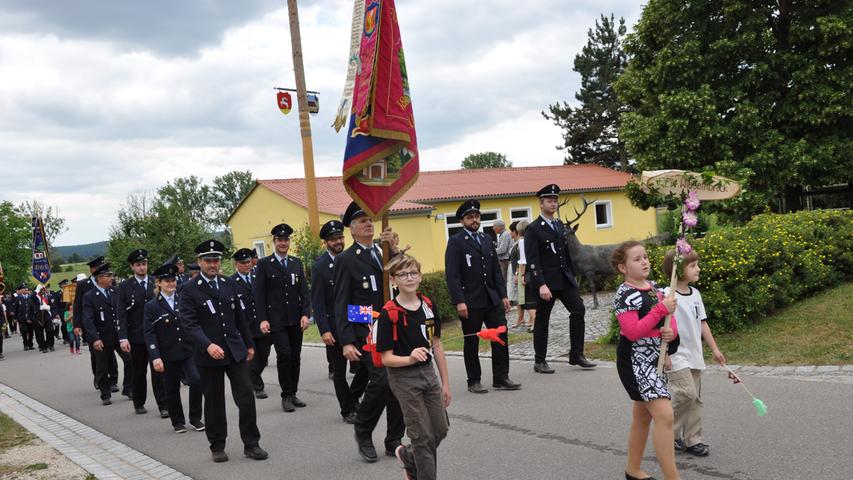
{"x": 212, "y": 284}
{"x": 284, "y": 262}
{"x": 144, "y": 285}
{"x": 477, "y": 238}
{"x": 249, "y": 280}
{"x": 376, "y": 257}
{"x": 107, "y": 294}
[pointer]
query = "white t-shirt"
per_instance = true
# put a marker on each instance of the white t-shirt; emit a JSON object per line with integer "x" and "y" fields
{"x": 522, "y": 259}
{"x": 689, "y": 314}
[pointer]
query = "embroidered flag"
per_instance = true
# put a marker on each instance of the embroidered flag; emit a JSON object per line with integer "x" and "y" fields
{"x": 41, "y": 260}
{"x": 285, "y": 102}
{"x": 381, "y": 156}
{"x": 360, "y": 313}
{"x": 345, "y": 105}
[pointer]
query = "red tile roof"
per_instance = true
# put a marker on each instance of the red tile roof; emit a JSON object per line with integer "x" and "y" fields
{"x": 448, "y": 185}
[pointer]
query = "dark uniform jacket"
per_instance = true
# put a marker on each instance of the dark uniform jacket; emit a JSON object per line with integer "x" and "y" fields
{"x": 245, "y": 293}
{"x": 22, "y": 308}
{"x": 473, "y": 272}
{"x": 131, "y": 307}
{"x": 281, "y": 294}
{"x": 58, "y": 306}
{"x": 214, "y": 316}
{"x": 358, "y": 281}
{"x": 323, "y": 293}
{"x": 83, "y": 286}
{"x": 164, "y": 337}
{"x": 547, "y": 254}
{"x": 99, "y": 318}
{"x": 42, "y": 317}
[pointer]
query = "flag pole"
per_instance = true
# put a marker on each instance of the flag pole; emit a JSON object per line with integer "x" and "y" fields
{"x": 386, "y": 255}
{"x": 304, "y": 121}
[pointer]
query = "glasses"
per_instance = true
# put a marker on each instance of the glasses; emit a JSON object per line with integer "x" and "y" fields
{"x": 409, "y": 275}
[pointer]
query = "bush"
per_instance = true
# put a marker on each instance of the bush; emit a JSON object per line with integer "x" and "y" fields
{"x": 434, "y": 286}
{"x": 307, "y": 247}
{"x": 773, "y": 260}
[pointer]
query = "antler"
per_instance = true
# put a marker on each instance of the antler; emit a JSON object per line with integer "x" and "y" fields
{"x": 586, "y": 205}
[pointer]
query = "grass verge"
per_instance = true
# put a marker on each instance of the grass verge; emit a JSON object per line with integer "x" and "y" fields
{"x": 12, "y": 434}
{"x": 813, "y": 331}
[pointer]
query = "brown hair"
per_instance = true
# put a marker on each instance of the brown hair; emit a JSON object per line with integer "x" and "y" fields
{"x": 400, "y": 262}
{"x": 620, "y": 255}
{"x": 669, "y": 261}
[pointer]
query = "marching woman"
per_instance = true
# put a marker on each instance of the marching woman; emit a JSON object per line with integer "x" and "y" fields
{"x": 171, "y": 351}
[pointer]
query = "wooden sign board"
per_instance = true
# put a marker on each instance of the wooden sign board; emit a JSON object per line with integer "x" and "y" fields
{"x": 678, "y": 181}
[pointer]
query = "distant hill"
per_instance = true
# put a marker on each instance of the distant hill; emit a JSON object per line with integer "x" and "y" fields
{"x": 84, "y": 251}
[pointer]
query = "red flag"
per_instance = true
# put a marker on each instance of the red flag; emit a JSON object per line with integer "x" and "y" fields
{"x": 493, "y": 334}
{"x": 381, "y": 157}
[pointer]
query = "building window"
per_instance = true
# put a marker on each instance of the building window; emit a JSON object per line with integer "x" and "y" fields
{"x": 603, "y": 214}
{"x": 487, "y": 221}
{"x": 519, "y": 214}
{"x": 260, "y": 247}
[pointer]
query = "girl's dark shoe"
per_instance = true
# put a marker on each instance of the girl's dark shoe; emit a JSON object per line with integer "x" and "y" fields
{"x": 629, "y": 477}
{"x": 699, "y": 450}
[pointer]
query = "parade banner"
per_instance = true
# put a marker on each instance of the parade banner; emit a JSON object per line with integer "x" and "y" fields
{"x": 345, "y": 104}
{"x": 41, "y": 260}
{"x": 381, "y": 157}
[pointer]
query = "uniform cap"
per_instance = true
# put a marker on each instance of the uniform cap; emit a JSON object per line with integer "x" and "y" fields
{"x": 169, "y": 270}
{"x": 95, "y": 261}
{"x": 193, "y": 267}
{"x": 281, "y": 230}
{"x": 138, "y": 255}
{"x": 467, "y": 207}
{"x": 103, "y": 269}
{"x": 353, "y": 211}
{"x": 210, "y": 249}
{"x": 330, "y": 228}
{"x": 242, "y": 255}
{"x": 552, "y": 190}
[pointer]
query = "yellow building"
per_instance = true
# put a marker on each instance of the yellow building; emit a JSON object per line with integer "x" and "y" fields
{"x": 425, "y": 216}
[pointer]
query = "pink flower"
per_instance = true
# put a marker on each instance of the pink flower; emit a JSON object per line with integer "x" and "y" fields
{"x": 682, "y": 247}
{"x": 692, "y": 201}
{"x": 689, "y": 218}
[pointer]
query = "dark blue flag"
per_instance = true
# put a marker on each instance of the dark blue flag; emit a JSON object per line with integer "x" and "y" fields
{"x": 360, "y": 313}
{"x": 41, "y": 260}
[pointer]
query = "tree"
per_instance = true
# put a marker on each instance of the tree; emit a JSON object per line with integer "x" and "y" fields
{"x": 590, "y": 131}
{"x": 54, "y": 223}
{"x": 191, "y": 195}
{"x": 14, "y": 244}
{"x": 486, "y": 160}
{"x": 75, "y": 258}
{"x": 757, "y": 91}
{"x": 228, "y": 191}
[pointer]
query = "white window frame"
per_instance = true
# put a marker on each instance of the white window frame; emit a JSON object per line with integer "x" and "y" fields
{"x": 527, "y": 214}
{"x": 609, "y": 208}
{"x": 260, "y": 247}
{"x": 483, "y": 224}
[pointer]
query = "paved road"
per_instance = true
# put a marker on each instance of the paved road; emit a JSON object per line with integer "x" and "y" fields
{"x": 569, "y": 425}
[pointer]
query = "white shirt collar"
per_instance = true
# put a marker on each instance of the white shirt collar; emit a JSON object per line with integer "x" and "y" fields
{"x": 279, "y": 257}
{"x": 208, "y": 280}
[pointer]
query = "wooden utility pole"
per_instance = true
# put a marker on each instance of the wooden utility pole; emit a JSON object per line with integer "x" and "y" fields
{"x": 304, "y": 120}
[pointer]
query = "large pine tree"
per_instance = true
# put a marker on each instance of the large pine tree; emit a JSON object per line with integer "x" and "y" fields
{"x": 590, "y": 130}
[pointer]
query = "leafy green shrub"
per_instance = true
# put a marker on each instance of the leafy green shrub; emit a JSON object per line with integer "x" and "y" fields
{"x": 307, "y": 247}
{"x": 773, "y": 260}
{"x": 434, "y": 286}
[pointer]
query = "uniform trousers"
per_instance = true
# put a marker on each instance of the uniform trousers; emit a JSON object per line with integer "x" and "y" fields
{"x": 685, "y": 386}
{"x": 492, "y": 317}
{"x": 213, "y": 385}
{"x": 27, "y": 333}
{"x": 103, "y": 359}
{"x": 172, "y": 386}
{"x": 570, "y": 296}
{"x": 263, "y": 344}
{"x": 348, "y": 393}
{"x": 419, "y": 391}
{"x": 288, "y": 353}
{"x": 113, "y": 371}
{"x": 44, "y": 334}
{"x": 378, "y": 397}
{"x": 139, "y": 377}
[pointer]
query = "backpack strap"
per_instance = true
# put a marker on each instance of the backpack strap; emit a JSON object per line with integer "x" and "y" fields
{"x": 394, "y": 314}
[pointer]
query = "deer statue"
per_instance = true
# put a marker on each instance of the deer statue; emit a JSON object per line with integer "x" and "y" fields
{"x": 589, "y": 261}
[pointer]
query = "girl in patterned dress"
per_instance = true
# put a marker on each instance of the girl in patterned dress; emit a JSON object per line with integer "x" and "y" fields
{"x": 640, "y": 309}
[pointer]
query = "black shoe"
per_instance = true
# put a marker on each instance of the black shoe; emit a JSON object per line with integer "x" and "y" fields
{"x": 180, "y": 428}
{"x": 95, "y": 383}
{"x": 114, "y": 389}
{"x": 331, "y": 376}
{"x": 699, "y": 450}
{"x": 390, "y": 450}
{"x": 409, "y": 469}
{"x": 366, "y": 449}
{"x": 1, "y": 356}
{"x": 260, "y": 394}
{"x": 287, "y": 404}
{"x": 679, "y": 445}
{"x": 256, "y": 453}
{"x": 106, "y": 401}
{"x": 42, "y": 350}
{"x": 581, "y": 361}
{"x": 297, "y": 402}
{"x": 542, "y": 367}
{"x": 506, "y": 384}
{"x": 219, "y": 456}
{"x": 51, "y": 349}
{"x": 164, "y": 413}
{"x": 629, "y": 477}
{"x": 197, "y": 425}
{"x": 477, "y": 388}
{"x": 350, "y": 417}
{"x": 140, "y": 410}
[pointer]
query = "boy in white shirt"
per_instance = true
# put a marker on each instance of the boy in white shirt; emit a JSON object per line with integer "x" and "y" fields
{"x": 685, "y": 372}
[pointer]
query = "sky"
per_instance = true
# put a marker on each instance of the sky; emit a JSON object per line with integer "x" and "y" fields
{"x": 99, "y": 100}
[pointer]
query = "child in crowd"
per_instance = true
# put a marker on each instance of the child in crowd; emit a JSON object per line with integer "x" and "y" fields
{"x": 640, "y": 309}
{"x": 685, "y": 374}
{"x": 407, "y": 346}
{"x": 68, "y": 326}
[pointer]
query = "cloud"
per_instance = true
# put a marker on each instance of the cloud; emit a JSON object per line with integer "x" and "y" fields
{"x": 100, "y": 99}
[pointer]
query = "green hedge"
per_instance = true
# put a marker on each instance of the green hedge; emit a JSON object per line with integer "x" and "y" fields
{"x": 434, "y": 286}
{"x": 750, "y": 271}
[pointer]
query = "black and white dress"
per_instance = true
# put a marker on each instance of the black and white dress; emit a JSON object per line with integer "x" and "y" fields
{"x": 640, "y": 318}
